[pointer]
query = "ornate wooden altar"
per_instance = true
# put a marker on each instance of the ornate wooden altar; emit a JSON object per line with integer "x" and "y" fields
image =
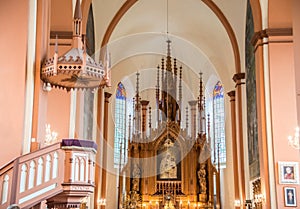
{"x": 170, "y": 168}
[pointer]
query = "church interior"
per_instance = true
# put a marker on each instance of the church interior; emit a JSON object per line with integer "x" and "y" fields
{"x": 139, "y": 104}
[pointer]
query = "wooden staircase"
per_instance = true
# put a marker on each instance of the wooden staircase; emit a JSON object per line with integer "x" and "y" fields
{"x": 61, "y": 173}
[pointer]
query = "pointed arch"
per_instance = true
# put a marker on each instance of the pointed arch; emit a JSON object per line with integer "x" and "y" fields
{"x": 5, "y": 186}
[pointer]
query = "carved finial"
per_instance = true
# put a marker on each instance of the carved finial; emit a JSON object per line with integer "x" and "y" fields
{"x": 56, "y": 44}
{"x": 157, "y": 85}
{"x": 150, "y": 119}
{"x": 186, "y": 118}
{"x": 200, "y": 91}
{"x": 180, "y": 83}
{"x": 129, "y": 128}
{"x": 137, "y": 87}
{"x": 180, "y": 92}
{"x": 175, "y": 67}
{"x": 208, "y": 128}
{"x": 168, "y": 62}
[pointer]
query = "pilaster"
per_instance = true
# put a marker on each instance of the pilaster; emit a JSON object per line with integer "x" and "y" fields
{"x": 237, "y": 196}
{"x": 238, "y": 78}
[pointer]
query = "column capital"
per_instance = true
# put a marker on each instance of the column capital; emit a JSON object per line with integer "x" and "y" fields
{"x": 107, "y": 96}
{"x": 144, "y": 103}
{"x": 193, "y": 103}
{"x": 237, "y": 78}
{"x": 231, "y": 94}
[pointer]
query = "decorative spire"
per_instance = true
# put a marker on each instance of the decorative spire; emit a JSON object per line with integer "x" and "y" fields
{"x": 201, "y": 104}
{"x": 55, "y": 57}
{"x": 168, "y": 61}
{"x": 200, "y": 92}
{"x": 208, "y": 129}
{"x": 129, "y": 128}
{"x": 56, "y": 45}
{"x": 77, "y": 27}
{"x": 137, "y": 91}
{"x": 150, "y": 120}
{"x": 78, "y": 13}
{"x": 180, "y": 92}
{"x": 186, "y": 119}
{"x": 157, "y": 96}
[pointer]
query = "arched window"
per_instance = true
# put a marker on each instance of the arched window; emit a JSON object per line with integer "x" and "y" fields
{"x": 76, "y": 174}
{"x": 23, "y": 178}
{"x": 40, "y": 170}
{"x": 82, "y": 170}
{"x": 219, "y": 125}
{"x": 5, "y": 189}
{"x": 48, "y": 167}
{"x": 120, "y": 143}
{"x": 55, "y": 165}
{"x": 31, "y": 175}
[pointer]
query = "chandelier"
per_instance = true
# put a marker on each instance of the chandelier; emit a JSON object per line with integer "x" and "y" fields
{"x": 294, "y": 140}
{"x": 75, "y": 69}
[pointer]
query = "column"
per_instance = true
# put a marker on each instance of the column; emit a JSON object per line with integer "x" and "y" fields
{"x": 238, "y": 80}
{"x": 30, "y": 71}
{"x": 105, "y": 132}
{"x": 237, "y": 197}
{"x": 99, "y": 141}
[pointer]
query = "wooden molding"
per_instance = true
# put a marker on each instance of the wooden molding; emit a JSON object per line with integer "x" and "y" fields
{"x": 231, "y": 94}
{"x": 270, "y": 32}
{"x": 61, "y": 34}
{"x": 238, "y": 76}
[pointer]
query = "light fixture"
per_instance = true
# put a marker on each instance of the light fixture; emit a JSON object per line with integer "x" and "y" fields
{"x": 50, "y": 136}
{"x": 47, "y": 87}
{"x": 237, "y": 203}
{"x": 293, "y": 141}
{"x": 75, "y": 69}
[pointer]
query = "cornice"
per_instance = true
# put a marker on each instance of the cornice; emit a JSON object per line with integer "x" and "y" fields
{"x": 61, "y": 34}
{"x": 269, "y": 32}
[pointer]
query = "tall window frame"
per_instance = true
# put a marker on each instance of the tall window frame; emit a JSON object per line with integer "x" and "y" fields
{"x": 219, "y": 125}
{"x": 120, "y": 141}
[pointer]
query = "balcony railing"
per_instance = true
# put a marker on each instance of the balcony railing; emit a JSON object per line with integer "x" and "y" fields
{"x": 62, "y": 174}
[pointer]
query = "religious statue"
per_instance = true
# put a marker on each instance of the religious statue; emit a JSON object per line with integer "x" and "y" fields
{"x": 136, "y": 175}
{"x": 202, "y": 178}
{"x": 168, "y": 167}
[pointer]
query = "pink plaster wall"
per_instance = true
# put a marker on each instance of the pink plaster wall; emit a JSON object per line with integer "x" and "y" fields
{"x": 58, "y": 112}
{"x": 284, "y": 112}
{"x": 13, "y": 39}
{"x": 280, "y": 15}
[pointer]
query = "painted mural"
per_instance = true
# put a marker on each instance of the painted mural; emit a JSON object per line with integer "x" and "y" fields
{"x": 251, "y": 98}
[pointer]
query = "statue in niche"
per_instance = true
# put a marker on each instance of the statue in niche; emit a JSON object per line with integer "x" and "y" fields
{"x": 202, "y": 178}
{"x": 136, "y": 175}
{"x": 168, "y": 167}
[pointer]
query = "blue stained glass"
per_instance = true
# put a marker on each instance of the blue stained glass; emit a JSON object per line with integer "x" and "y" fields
{"x": 219, "y": 124}
{"x": 121, "y": 93}
{"x": 218, "y": 90}
{"x": 120, "y": 143}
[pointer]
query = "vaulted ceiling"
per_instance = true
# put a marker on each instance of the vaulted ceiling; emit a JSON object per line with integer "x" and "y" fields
{"x": 206, "y": 36}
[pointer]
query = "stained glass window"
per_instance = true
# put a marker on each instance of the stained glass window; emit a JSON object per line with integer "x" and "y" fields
{"x": 120, "y": 143}
{"x": 219, "y": 125}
